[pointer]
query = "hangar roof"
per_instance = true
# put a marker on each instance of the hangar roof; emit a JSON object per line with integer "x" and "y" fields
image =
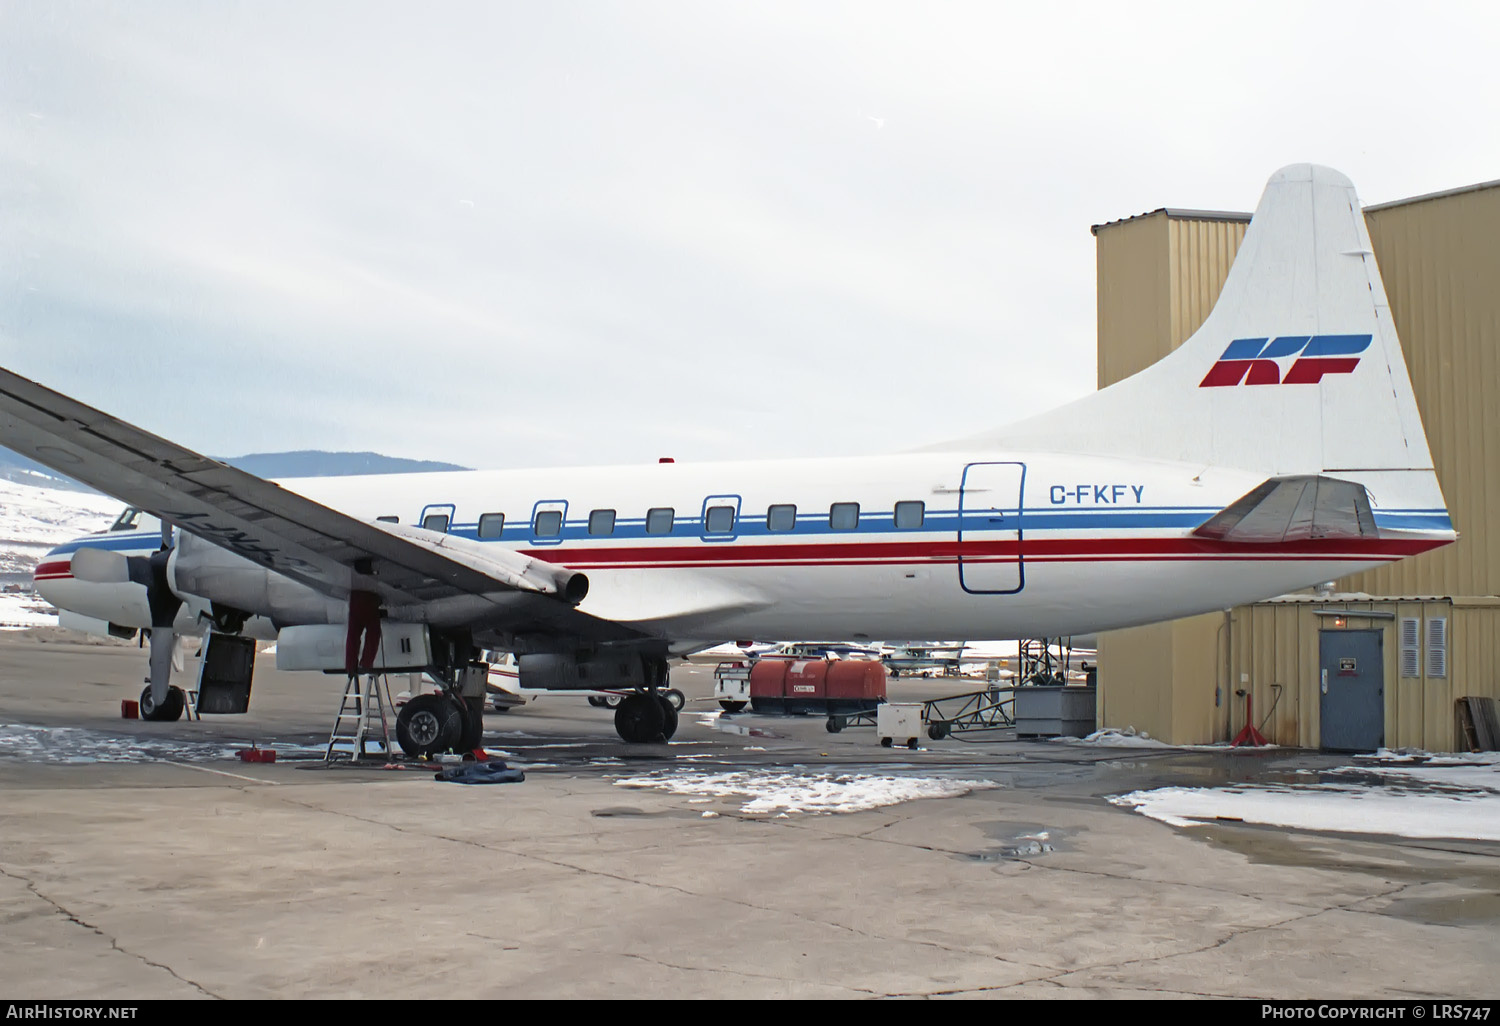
{"x": 1184, "y": 214}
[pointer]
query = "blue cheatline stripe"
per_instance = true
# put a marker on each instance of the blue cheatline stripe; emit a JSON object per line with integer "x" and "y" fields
{"x": 1415, "y": 521}
{"x": 1031, "y": 519}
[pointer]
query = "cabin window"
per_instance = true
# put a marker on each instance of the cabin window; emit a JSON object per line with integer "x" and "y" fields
{"x": 491, "y": 525}
{"x": 436, "y": 522}
{"x": 602, "y": 521}
{"x": 781, "y": 518}
{"x": 719, "y": 520}
{"x": 909, "y": 515}
{"x": 659, "y": 520}
{"x": 388, "y": 520}
{"x": 548, "y": 523}
{"x": 843, "y": 516}
{"x": 127, "y": 521}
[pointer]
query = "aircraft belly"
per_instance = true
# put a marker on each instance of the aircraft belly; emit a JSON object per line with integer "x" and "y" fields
{"x": 1059, "y": 598}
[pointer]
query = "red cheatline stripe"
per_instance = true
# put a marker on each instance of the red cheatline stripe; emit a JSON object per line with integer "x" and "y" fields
{"x": 1045, "y": 550}
{"x": 1057, "y": 550}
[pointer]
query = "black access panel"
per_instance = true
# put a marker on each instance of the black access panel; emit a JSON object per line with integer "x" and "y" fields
{"x": 224, "y": 676}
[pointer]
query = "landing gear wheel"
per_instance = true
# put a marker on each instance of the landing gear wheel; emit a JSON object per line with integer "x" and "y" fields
{"x": 669, "y": 717}
{"x": 473, "y": 732}
{"x": 611, "y": 701}
{"x": 170, "y": 710}
{"x": 675, "y": 697}
{"x": 640, "y": 718}
{"x": 597, "y": 701}
{"x": 429, "y": 724}
{"x": 732, "y": 707}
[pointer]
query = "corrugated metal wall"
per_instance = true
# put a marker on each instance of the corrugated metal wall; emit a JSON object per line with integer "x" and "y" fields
{"x": 1159, "y": 276}
{"x": 1440, "y": 260}
{"x": 1201, "y": 252}
{"x": 1133, "y": 305}
{"x": 1275, "y": 648}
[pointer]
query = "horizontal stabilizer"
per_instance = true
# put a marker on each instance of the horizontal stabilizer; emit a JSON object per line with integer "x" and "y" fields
{"x": 1297, "y": 508}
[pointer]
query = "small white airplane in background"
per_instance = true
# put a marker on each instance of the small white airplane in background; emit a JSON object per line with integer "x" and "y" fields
{"x": 1278, "y": 447}
{"x": 921, "y": 656}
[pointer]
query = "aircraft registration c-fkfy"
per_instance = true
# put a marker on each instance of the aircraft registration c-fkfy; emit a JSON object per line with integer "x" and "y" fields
{"x": 1279, "y": 447}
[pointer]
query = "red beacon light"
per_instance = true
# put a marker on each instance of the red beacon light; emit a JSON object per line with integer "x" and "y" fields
{"x": 666, "y": 459}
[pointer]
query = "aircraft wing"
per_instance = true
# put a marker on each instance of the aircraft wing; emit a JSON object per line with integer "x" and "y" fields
{"x": 283, "y": 531}
{"x": 1299, "y": 508}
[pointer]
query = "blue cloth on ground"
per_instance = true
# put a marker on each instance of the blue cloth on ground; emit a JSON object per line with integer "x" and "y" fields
{"x": 493, "y": 772}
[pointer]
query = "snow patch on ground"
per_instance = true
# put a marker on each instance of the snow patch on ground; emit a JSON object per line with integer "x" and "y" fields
{"x": 782, "y": 792}
{"x": 1449, "y": 796}
{"x": 80, "y": 746}
{"x": 1112, "y": 738}
{"x": 1129, "y": 738}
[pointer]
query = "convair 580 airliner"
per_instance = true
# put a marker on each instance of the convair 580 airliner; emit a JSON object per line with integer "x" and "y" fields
{"x": 1279, "y": 447}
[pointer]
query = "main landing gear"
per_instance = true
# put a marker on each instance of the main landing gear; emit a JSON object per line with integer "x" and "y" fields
{"x": 452, "y": 721}
{"x": 650, "y": 715}
{"x": 430, "y": 724}
{"x": 646, "y": 718}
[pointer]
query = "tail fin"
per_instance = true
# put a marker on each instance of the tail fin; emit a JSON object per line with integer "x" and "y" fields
{"x": 1296, "y": 371}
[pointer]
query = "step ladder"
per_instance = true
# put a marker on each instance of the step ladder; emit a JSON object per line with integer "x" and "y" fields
{"x": 363, "y": 722}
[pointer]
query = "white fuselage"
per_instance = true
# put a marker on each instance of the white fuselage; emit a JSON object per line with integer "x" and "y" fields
{"x": 982, "y": 546}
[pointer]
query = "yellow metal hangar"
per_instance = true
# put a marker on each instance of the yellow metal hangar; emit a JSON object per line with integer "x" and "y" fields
{"x": 1382, "y": 658}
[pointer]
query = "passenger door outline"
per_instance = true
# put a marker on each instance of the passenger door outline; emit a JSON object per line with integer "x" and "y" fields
{"x": 991, "y": 542}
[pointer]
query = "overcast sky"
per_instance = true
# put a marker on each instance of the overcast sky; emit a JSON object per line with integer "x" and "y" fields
{"x": 521, "y": 234}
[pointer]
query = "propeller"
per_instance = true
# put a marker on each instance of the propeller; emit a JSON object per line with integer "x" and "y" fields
{"x": 104, "y": 567}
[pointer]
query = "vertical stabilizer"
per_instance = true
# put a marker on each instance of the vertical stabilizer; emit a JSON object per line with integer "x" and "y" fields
{"x": 1296, "y": 371}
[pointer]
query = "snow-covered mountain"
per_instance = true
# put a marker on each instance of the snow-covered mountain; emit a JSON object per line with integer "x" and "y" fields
{"x": 32, "y": 520}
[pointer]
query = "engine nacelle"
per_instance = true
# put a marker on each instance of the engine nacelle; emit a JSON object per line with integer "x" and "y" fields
{"x": 199, "y": 567}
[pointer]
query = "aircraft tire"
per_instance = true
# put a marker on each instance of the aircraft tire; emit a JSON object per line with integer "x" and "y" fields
{"x": 731, "y": 707}
{"x": 612, "y": 701}
{"x": 473, "y": 731}
{"x": 669, "y": 716}
{"x": 676, "y": 698}
{"x": 171, "y": 709}
{"x": 429, "y": 724}
{"x": 640, "y": 719}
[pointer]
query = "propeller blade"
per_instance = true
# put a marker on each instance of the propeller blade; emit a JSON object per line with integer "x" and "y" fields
{"x": 163, "y": 641}
{"x": 100, "y": 566}
{"x": 180, "y": 653}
